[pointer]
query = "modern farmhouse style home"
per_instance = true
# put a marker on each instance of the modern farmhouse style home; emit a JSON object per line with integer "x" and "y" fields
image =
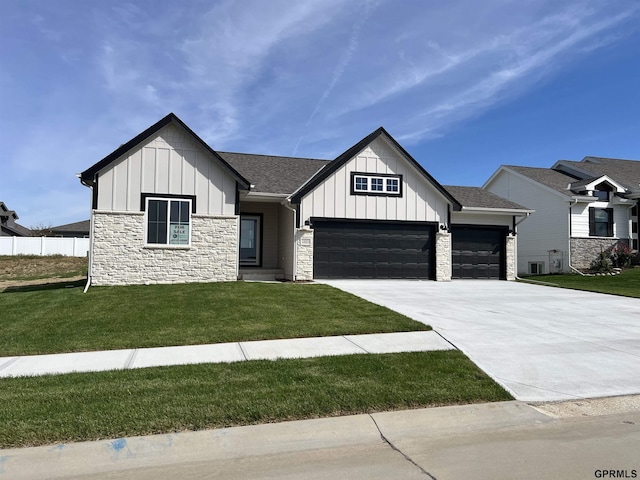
{"x": 582, "y": 209}
{"x": 168, "y": 208}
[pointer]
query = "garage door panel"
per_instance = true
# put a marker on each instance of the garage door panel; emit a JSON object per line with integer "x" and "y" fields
{"x": 478, "y": 252}
{"x": 373, "y": 250}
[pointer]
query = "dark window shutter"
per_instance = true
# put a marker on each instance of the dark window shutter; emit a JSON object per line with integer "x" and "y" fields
{"x": 609, "y": 222}
{"x": 592, "y": 222}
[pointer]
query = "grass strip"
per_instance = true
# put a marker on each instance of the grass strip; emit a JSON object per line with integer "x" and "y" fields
{"x": 92, "y": 406}
{"x": 66, "y": 320}
{"x": 627, "y": 284}
{"x": 32, "y": 267}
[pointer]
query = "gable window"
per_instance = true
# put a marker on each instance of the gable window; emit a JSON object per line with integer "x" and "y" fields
{"x": 602, "y": 192}
{"x": 600, "y": 222}
{"x": 168, "y": 221}
{"x": 376, "y": 184}
{"x": 362, "y": 184}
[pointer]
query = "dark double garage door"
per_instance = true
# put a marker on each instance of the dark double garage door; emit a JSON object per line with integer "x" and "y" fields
{"x": 373, "y": 249}
{"x": 353, "y": 249}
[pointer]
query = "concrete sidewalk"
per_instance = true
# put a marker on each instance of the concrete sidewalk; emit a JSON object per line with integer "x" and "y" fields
{"x": 58, "y": 363}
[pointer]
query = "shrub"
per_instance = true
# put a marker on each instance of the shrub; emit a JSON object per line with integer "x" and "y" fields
{"x": 602, "y": 264}
{"x": 621, "y": 255}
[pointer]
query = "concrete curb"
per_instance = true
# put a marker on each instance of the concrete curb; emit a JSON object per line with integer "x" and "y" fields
{"x": 92, "y": 458}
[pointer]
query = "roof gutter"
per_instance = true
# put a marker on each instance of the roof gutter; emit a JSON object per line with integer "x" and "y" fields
{"x": 489, "y": 210}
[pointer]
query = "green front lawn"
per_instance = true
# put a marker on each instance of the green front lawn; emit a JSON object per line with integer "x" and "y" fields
{"x": 66, "y": 320}
{"x": 91, "y": 406}
{"x": 626, "y": 284}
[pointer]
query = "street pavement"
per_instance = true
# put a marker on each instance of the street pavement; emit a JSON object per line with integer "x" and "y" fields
{"x": 505, "y": 440}
{"x": 541, "y": 343}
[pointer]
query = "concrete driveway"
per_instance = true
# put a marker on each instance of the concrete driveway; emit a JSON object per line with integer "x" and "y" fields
{"x": 540, "y": 343}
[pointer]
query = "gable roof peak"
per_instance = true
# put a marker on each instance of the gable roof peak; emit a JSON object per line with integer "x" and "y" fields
{"x": 88, "y": 176}
{"x": 344, "y": 157}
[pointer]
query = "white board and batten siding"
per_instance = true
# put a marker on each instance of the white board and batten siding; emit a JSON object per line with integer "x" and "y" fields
{"x": 420, "y": 201}
{"x": 546, "y": 229}
{"x": 170, "y": 163}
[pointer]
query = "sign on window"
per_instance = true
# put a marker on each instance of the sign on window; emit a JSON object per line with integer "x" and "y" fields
{"x": 179, "y": 234}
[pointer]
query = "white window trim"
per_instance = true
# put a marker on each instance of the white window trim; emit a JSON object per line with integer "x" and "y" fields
{"x": 539, "y": 266}
{"x": 167, "y": 245}
{"x": 371, "y": 178}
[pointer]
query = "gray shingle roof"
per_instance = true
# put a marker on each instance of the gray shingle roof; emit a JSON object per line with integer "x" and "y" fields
{"x": 82, "y": 226}
{"x": 546, "y": 176}
{"x": 479, "y": 198}
{"x": 625, "y": 172}
{"x": 271, "y": 174}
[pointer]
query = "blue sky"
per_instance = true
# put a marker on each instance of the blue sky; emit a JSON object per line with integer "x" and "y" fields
{"x": 464, "y": 86}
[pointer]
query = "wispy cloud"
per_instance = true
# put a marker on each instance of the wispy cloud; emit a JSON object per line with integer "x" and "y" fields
{"x": 343, "y": 62}
{"x": 533, "y": 53}
{"x": 310, "y": 76}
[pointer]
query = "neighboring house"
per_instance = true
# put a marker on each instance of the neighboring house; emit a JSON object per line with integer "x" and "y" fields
{"x": 167, "y": 208}
{"x": 71, "y": 230}
{"x": 581, "y": 209}
{"x": 8, "y": 225}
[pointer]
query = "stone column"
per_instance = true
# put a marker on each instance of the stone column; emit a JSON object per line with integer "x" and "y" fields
{"x": 512, "y": 261}
{"x": 304, "y": 254}
{"x": 443, "y": 256}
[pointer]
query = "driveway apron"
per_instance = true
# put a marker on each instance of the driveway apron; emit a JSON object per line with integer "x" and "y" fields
{"x": 540, "y": 343}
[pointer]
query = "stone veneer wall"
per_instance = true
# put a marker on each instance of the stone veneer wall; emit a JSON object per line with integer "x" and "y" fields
{"x": 586, "y": 250}
{"x": 443, "y": 257}
{"x": 120, "y": 256}
{"x": 511, "y": 257}
{"x": 304, "y": 254}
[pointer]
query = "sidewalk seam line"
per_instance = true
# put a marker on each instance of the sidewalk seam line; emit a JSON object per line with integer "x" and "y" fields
{"x": 9, "y": 363}
{"x": 393, "y": 447}
{"x": 354, "y": 343}
{"x": 244, "y": 354}
{"x": 445, "y": 339}
{"x": 132, "y": 356}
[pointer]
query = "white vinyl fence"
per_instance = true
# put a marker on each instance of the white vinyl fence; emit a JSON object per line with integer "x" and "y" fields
{"x": 72, "y": 247}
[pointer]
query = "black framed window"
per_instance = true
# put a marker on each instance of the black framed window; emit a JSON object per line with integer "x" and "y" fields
{"x": 380, "y": 184}
{"x": 168, "y": 221}
{"x": 600, "y": 222}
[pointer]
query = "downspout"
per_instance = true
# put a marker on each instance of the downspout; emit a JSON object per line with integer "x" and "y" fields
{"x": 91, "y": 230}
{"x": 569, "y": 240}
{"x": 287, "y": 205}
{"x": 90, "y": 270}
{"x": 515, "y": 233}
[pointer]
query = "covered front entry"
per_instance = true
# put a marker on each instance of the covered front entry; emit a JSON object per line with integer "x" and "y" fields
{"x": 478, "y": 252}
{"x": 373, "y": 249}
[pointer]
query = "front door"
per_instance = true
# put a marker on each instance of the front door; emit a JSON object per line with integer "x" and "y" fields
{"x": 250, "y": 226}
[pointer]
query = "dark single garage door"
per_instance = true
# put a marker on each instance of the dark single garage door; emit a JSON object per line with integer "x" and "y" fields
{"x": 352, "y": 249}
{"x": 478, "y": 252}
